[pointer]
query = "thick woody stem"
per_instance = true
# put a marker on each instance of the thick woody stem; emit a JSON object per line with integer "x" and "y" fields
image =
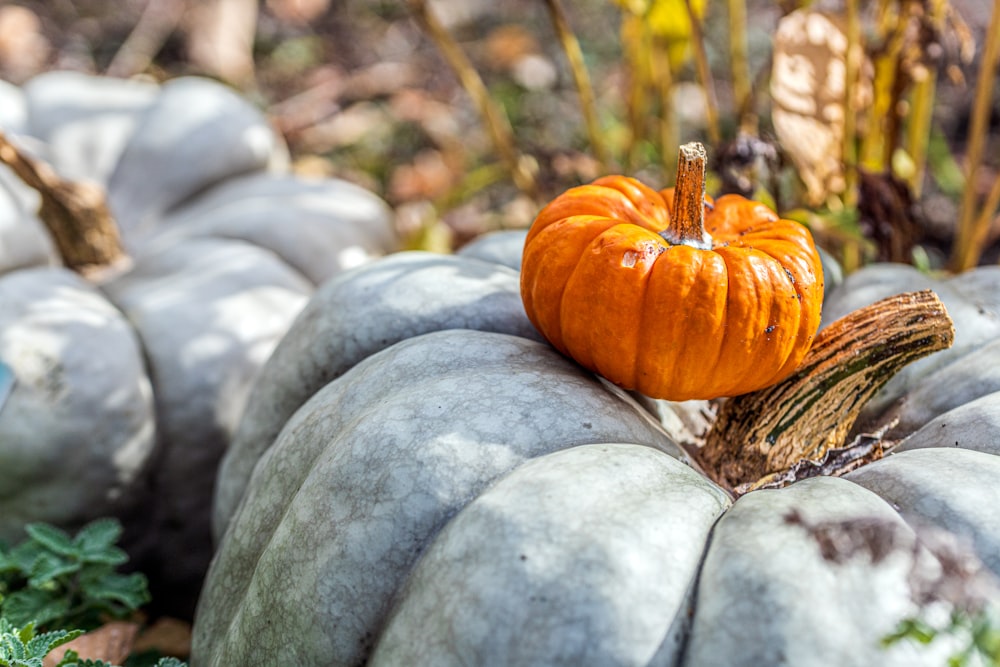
{"x": 687, "y": 224}
{"x": 76, "y": 214}
{"x": 811, "y": 413}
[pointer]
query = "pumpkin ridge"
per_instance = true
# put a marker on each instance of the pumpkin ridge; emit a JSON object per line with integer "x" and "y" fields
{"x": 602, "y": 249}
{"x": 593, "y": 199}
{"x": 686, "y": 309}
{"x": 565, "y": 231}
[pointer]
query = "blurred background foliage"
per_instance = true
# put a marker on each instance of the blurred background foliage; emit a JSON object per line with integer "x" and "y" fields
{"x": 875, "y": 123}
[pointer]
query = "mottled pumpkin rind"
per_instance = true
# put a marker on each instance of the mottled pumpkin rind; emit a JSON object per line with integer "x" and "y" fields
{"x": 671, "y": 321}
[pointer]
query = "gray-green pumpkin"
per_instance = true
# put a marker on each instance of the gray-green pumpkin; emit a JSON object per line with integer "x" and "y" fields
{"x": 128, "y": 388}
{"x": 437, "y": 492}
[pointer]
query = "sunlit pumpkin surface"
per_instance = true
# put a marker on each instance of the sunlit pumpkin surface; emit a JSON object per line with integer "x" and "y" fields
{"x": 671, "y": 320}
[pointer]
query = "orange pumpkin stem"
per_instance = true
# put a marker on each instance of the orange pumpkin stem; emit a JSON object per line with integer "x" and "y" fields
{"x": 687, "y": 223}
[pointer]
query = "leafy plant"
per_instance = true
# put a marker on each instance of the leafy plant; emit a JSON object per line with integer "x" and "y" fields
{"x": 57, "y": 581}
{"x": 981, "y": 627}
{"x": 21, "y": 647}
{"x": 75, "y": 662}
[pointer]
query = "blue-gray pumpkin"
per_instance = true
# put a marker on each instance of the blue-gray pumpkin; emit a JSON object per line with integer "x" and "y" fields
{"x": 421, "y": 481}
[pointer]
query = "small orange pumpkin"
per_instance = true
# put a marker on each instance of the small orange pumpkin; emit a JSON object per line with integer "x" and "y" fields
{"x": 668, "y": 293}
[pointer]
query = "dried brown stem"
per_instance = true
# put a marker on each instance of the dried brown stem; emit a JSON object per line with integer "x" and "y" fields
{"x": 76, "y": 214}
{"x": 687, "y": 222}
{"x": 574, "y": 54}
{"x": 492, "y": 115}
{"x": 158, "y": 20}
{"x": 970, "y": 238}
{"x": 704, "y": 75}
{"x": 811, "y": 413}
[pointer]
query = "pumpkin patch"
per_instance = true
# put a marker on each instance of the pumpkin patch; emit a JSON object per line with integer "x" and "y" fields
{"x": 426, "y": 334}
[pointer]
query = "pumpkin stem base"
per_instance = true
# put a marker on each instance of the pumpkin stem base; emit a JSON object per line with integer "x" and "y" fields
{"x": 762, "y": 438}
{"x": 76, "y": 214}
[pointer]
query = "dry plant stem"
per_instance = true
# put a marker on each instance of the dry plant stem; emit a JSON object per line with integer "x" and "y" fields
{"x": 219, "y": 37}
{"x": 738, "y": 56}
{"x": 704, "y": 75}
{"x": 875, "y": 149}
{"x": 663, "y": 78}
{"x": 984, "y": 221}
{"x": 812, "y": 412}
{"x": 493, "y": 117}
{"x": 852, "y": 78}
{"x": 918, "y": 130}
{"x": 971, "y": 236}
{"x": 76, "y": 214}
{"x": 687, "y": 220}
{"x": 574, "y": 54}
{"x": 156, "y": 23}
{"x": 635, "y": 40}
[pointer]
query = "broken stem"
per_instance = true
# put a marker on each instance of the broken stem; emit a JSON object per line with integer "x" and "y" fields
{"x": 76, "y": 214}
{"x": 811, "y": 413}
{"x": 687, "y": 220}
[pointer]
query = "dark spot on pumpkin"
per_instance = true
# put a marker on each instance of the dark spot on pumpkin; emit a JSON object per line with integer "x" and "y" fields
{"x": 770, "y": 329}
{"x": 789, "y": 274}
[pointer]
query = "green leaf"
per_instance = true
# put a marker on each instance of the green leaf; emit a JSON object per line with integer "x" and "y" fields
{"x": 32, "y": 604}
{"x": 27, "y": 633}
{"x": 112, "y": 556}
{"x": 911, "y": 628}
{"x": 7, "y": 563}
{"x": 70, "y": 657}
{"x": 45, "y": 642}
{"x": 49, "y": 567}
{"x": 52, "y": 538}
{"x": 98, "y": 535}
{"x": 85, "y": 663}
{"x": 130, "y": 590}
{"x": 25, "y": 554}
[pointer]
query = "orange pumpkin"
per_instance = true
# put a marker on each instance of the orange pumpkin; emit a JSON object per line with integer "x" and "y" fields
{"x": 668, "y": 293}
